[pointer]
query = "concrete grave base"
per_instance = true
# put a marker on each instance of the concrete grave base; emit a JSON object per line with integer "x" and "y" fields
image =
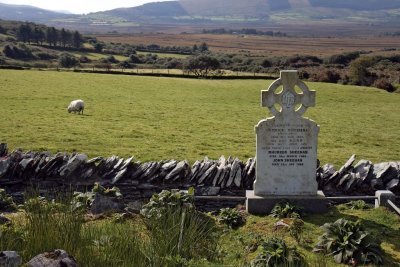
{"x": 262, "y": 205}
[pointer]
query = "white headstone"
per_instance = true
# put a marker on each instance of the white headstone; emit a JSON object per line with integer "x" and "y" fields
{"x": 286, "y": 143}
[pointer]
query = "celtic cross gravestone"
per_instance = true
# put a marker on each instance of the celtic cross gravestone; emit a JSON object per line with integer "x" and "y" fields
{"x": 286, "y": 144}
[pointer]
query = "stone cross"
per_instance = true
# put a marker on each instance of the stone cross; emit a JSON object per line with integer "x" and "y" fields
{"x": 288, "y": 98}
{"x": 286, "y": 144}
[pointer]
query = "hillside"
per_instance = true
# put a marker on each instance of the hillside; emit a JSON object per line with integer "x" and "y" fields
{"x": 27, "y": 13}
{"x": 178, "y": 15}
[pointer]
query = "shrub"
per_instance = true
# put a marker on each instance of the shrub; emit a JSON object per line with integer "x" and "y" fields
{"x": 45, "y": 56}
{"x": 202, "y": 65}
{"x": 68, "y": 61}
{"x": 231, "y": 217}
{"x": 18, "y": 52}
{"x": 82, "y": 201}
{"x": 384, "y": 84}
{"x": 6, "y": 202}
{"x": 159, "y": 203}
{"x": 359, "y": 71}
{"x": 325, "y": 75}
{"x": 275, "y": 252}
{"x": 356, "y": 205}
{"x": 286, "y": 210}
{"x": 348, "y": 242}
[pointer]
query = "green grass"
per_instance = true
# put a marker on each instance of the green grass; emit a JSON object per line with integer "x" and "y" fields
{"x": 382, "y": 224}
{"x": 168, "y": 118}
{"x": 97, "y": 56}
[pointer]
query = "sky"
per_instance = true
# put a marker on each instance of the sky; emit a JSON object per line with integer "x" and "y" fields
{"x": 79, "y": 6}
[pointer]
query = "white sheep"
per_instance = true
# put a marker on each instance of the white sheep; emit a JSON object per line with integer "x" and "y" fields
{"x": 76, "y": 106}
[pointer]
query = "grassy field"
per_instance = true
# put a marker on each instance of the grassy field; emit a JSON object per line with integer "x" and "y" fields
{"x": 168, "y": 118}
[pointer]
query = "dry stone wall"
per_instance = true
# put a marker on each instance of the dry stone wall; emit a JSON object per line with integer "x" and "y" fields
{"x": 137, "y": 180}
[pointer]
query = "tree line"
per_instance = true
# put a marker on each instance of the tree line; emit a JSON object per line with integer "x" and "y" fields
{"x": 32, "y": 33}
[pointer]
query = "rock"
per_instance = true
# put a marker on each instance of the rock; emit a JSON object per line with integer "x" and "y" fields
{"x": 140, "y": 170}
{"x": 56, "y": 258}
{"x": 347, "y": 165}
{"x": 207, "y": 190}
{"x": 10, "y": 259}
{"x": 3, "y": 150}
{"x": 73, "y": 164}
{"x": 151, "y": 171}
{"x": 392, "y": 184}
{"x": 102, "y": 204}
{"x": 208, "y": 173}
{"x": 169, "y": 165}
{"x": 95, "y": 160}
{"x": 238, "y": 177}
{"x": 386, "y": 171}
{"x": 25, "y": 162}
{"x": 4, "y": 165}
{"x": 327, "y": 171}
{"x": 118, "y": 176}
{"x": 179, "y": 169}
{"x": 232, "y": 174}
{"x": 195, "y": 168}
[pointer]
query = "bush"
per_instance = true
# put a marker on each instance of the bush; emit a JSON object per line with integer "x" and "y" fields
{"x": 327, "y": 76}
{"x": 348, "y": 242}
{"x": 275, "y": 252}
{"x": 159, "y": 203}
{"x": 384, "y": 84}
{"x": 45, "y": 56}
{"x": 202, "y": 66}
{"x": 18, "y": 52}
{"x": 68, "y": 61}
{"x": 359, "y": 71}
{"x": 231, "y": 217}
{"x": 286, "y": 210}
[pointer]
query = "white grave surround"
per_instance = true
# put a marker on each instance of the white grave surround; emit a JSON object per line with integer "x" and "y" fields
{"x": 286, "y": 149}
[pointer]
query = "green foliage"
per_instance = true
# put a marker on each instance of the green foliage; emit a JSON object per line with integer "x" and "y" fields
{"x": 359, "y": 72}
{"x": 110, "y": 192}
{"x": 231, "y": 217}
{"x": 21, "y": 51}
{"x": 275, "y": 252}
{"x": 296, "y": 229}
{"x": 51, "y": 225}
{"x": 160, "y": 203}
{"x": 82, "y": 201}
{"x": 6, "y": 202}
{"x": 202, "y": 65}
{"x": 348, "y": 242}
{"x": 286, "y": 210}
{"x": 181, "y": 232}
{"x": 356, "y": 205}
{"x": 68, "y": 61}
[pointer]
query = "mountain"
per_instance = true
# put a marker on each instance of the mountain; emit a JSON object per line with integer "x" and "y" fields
{"x": 27, "y": 13}
{"x": 254, "y": 9}
{"x": 216, "y": 13}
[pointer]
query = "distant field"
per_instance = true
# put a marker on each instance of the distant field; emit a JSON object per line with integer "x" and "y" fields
{"x": 263, "y": 45}
{"x": 165, "y": 118}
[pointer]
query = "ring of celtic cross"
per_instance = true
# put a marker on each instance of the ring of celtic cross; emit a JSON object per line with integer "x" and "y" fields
{"x": 289, "y": 98}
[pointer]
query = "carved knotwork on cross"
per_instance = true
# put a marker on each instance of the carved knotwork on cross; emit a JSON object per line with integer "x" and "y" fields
{"x": 288, "y": 98}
